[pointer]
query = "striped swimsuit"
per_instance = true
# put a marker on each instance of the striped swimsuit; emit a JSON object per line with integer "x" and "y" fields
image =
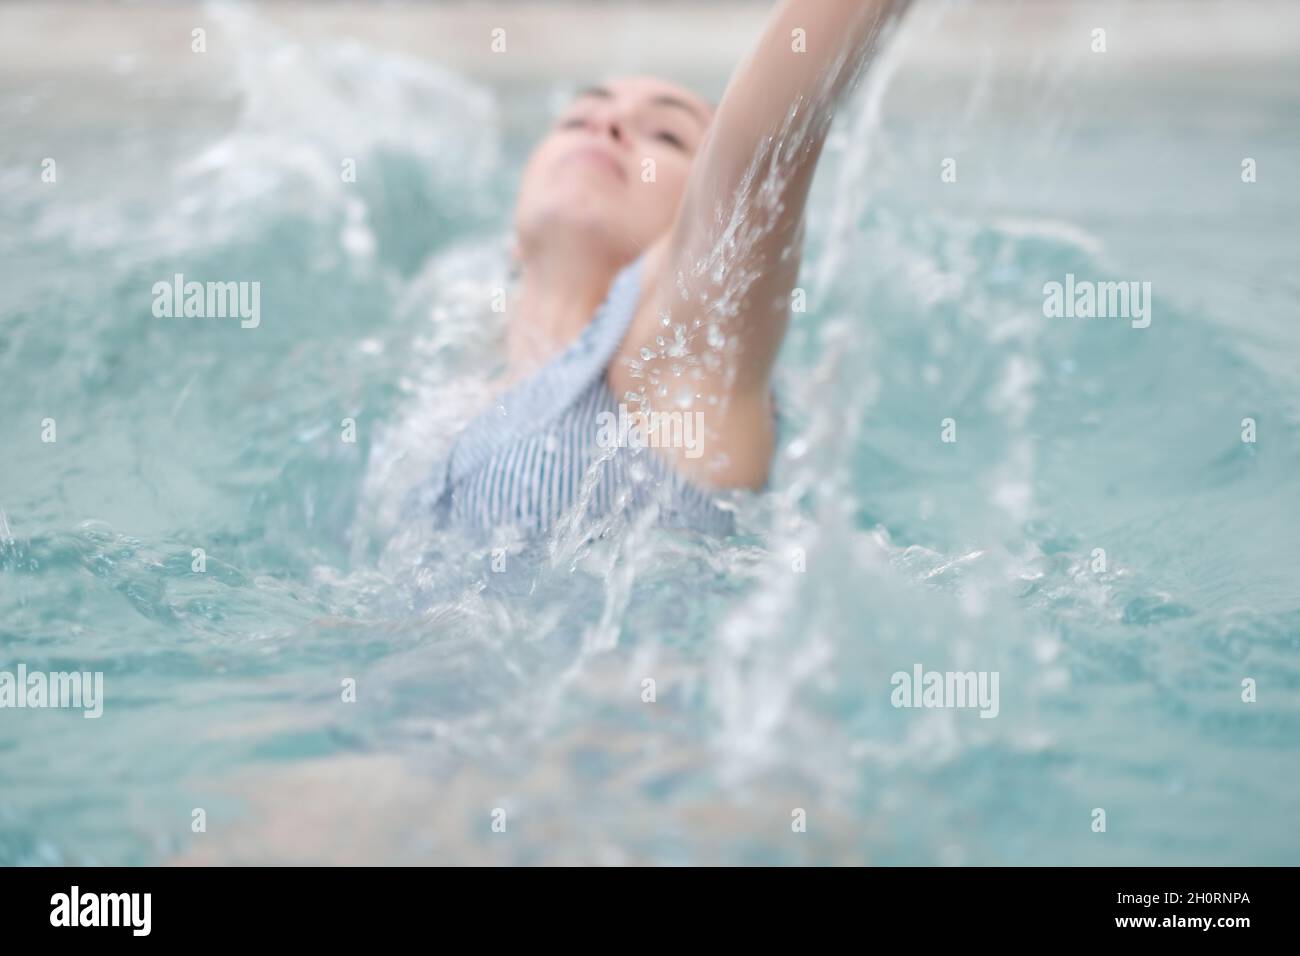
{"x": 534, "y": 455}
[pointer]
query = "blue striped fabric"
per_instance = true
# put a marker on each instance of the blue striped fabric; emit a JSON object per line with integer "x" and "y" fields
{"x": 533, "y": 457}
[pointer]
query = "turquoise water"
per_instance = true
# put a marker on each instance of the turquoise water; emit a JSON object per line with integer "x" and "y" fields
{"x": 879, "y": 547}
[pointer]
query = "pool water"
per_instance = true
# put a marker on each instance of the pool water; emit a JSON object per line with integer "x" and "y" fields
{"x": 1098, "y": 534}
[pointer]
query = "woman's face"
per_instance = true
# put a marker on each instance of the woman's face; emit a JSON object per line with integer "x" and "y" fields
{"x": 612, "y": 169}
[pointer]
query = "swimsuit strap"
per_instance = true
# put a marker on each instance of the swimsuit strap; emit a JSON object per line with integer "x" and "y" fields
{"x": 544, "y": 396}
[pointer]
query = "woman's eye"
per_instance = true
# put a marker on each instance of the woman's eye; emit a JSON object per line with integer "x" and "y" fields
{"x": 671, "y": 138}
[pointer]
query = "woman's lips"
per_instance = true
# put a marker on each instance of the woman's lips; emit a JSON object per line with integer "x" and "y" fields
{"x": 598, "y": 157}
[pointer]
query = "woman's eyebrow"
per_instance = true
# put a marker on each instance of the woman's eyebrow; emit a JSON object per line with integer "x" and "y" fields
{"x": 668, "y": 100}
{"x": 664, "y": 99}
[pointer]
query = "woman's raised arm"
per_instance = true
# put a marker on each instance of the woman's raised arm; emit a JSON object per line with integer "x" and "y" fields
{"x": 724, "y": 273}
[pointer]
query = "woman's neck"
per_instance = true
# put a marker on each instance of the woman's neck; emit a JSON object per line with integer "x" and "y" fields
{"x": 556, "y": 301}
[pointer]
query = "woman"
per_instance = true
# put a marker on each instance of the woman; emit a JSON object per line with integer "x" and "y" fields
{"x": 658, "y": 241}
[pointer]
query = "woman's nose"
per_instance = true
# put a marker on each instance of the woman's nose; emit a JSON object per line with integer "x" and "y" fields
{"x": 608, "y": 122}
